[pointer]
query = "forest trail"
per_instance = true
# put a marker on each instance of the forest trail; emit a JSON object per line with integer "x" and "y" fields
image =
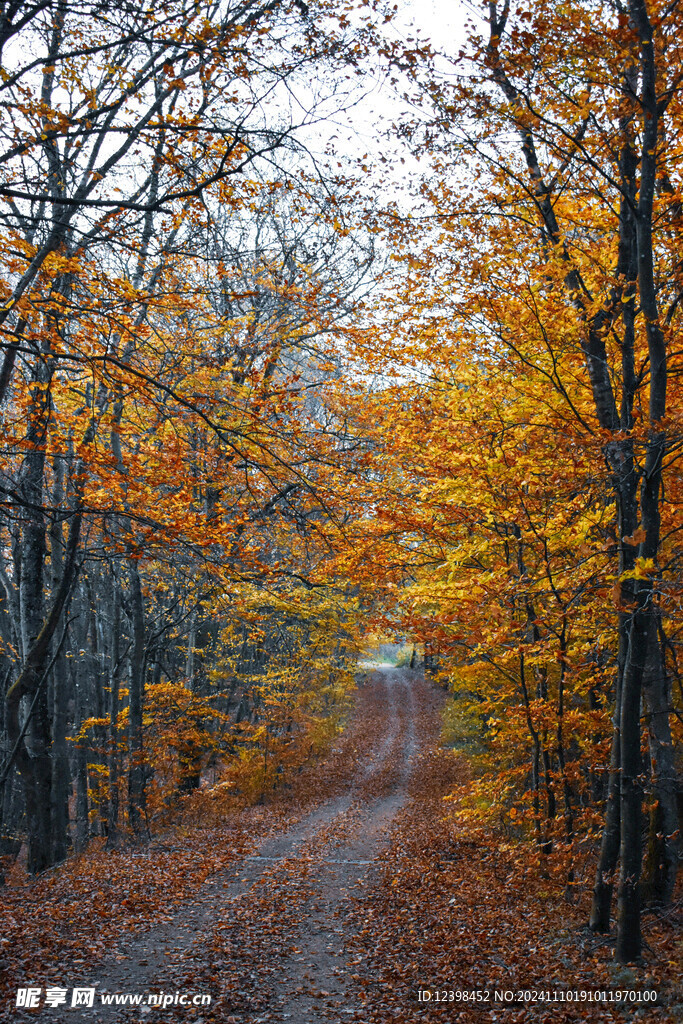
{"x": 273, "y": 936}
{"x": 339, "y": 900}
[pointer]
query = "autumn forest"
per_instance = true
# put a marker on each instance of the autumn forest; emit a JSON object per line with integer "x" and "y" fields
{"x": 341, "y": 534}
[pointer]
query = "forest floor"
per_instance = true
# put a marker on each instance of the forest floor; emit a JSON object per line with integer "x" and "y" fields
{"x": 352, "y": 896}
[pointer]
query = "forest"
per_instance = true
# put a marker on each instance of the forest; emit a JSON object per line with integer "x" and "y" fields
{"x": 341, "y": 545}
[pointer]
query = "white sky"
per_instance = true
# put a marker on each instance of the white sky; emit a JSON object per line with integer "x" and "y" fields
{"x": 365, "y": 128}
{"x": 439, "y": 20}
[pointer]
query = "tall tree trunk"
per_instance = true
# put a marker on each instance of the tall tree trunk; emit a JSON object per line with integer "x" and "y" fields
{"x": 34, "y": 754}
{"x": 82, "y": 797}
{"x": 114, "y": 676}
{"x": 61, "y": 776}
{"x": 611, "y": 833}
{"x": 663, "y": 848}
{"x": 30, "y": 684}
{"x": 629, "y": 942}
{"x": 136, "y": 770}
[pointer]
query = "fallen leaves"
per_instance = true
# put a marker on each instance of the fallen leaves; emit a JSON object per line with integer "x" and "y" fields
{"x": 376, "y": 894}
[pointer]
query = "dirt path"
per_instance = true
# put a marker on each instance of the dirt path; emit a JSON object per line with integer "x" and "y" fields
{"x": 270, "y": 941}
{"x": 344, "y": 899}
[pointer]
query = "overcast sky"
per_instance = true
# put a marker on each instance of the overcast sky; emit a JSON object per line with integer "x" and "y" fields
{"x": 366, "y": 127}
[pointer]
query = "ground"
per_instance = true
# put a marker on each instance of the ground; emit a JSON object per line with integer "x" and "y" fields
{"x": 353, "y": 895}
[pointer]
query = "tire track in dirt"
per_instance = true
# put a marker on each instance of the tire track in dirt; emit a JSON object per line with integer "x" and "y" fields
{"x": 344, "y": 854}
{"x": 308, "y": 973}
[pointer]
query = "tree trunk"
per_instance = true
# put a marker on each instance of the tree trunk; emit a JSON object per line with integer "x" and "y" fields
{"x": 136, "y": 769}
{"x": 611, "y": 833}
{"x": 629, "y": 941}
{"x": 663, "y": 848}
{"x": 34, "y": 753}
{"x": 61, "y": 776}
{"x": 114, "y": 675}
